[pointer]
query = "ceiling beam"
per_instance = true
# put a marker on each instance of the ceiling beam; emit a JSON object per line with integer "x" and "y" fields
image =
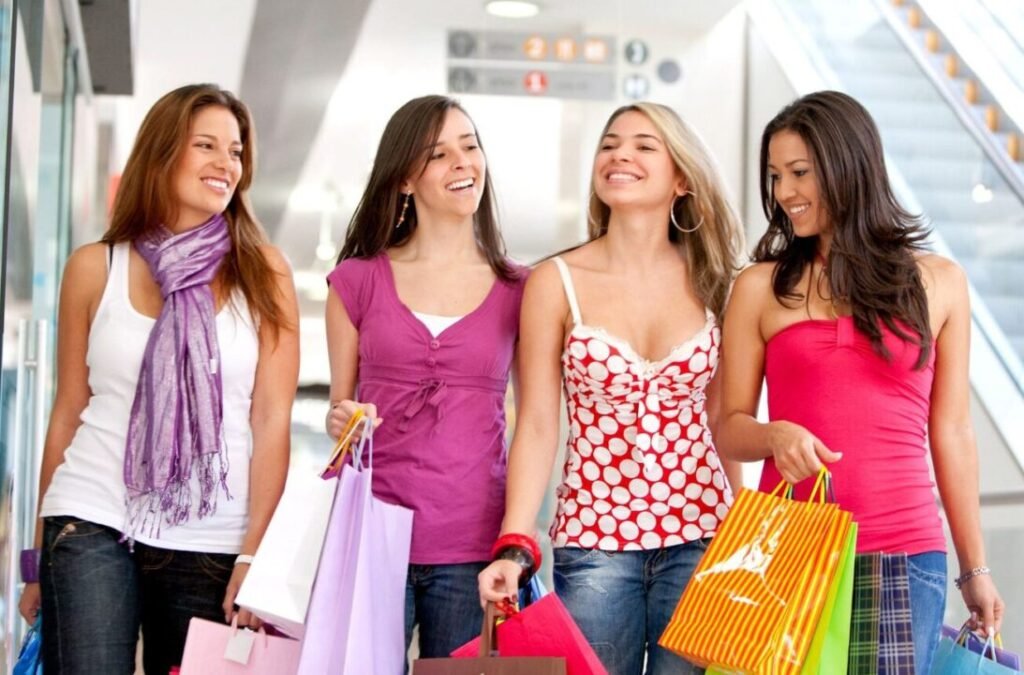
{"x": 297, "y": 53}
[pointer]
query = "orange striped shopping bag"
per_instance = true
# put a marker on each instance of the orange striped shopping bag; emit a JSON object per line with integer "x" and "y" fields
{"x": 755, "y": 600}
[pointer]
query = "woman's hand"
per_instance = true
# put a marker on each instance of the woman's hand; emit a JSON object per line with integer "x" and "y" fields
{"x": 245, "y": 617}
{"x": 983, "y": 602}
{"x": 342, "y": 411}
{"x": 30, "y": 602}
{"x": 498, "y": 581}
{"x": 798, "y": 453}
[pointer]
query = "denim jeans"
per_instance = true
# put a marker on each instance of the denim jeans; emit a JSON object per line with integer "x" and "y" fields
{"x": 91, "y": 600}
{"x": 97, "y": 593}
{"x": 175, "y": 587}
{"x": 622, "y": 602}
{"x": 444, "y": 602}
{"x": 927, "y": 572}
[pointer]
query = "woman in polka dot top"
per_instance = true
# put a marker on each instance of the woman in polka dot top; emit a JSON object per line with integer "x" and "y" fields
{"x": 627, "y": 324}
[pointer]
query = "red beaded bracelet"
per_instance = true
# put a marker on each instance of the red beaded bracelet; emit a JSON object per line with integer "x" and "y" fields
{"x": 521, "y": 540}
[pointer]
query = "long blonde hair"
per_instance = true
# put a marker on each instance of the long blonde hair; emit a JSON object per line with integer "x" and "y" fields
{"x": 712, "y": 251}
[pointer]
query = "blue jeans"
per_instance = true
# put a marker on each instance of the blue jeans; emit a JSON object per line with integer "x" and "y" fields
{"x": 927, "y": 572}
{"x": 444, "y": 601}
{"x": 622, "y": 602}
{"x": 97, "y": 593}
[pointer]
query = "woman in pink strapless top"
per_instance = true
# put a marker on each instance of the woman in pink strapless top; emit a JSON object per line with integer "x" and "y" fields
{"x": 862, "y": 339}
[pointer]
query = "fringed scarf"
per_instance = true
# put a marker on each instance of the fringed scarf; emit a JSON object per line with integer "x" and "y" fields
{"x": 175, "y": 427}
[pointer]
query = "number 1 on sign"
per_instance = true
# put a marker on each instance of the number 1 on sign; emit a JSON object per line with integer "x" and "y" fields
{"x": 535, "y": 82}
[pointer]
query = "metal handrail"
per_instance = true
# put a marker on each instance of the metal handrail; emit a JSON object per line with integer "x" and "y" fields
{"x": 994, "y": 153}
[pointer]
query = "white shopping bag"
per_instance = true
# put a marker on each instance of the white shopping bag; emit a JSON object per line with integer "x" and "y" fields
{"x": 279, "y": 582}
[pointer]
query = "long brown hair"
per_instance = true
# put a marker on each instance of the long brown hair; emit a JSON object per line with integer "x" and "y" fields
{"x": 403, "y": 149}
{"x": 712, "y": 250}
{"x": 871, "y": 262}
{"x": 145, "y": 197}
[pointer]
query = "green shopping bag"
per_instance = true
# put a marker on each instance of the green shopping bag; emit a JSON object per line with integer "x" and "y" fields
{"x": 830, "y": 647}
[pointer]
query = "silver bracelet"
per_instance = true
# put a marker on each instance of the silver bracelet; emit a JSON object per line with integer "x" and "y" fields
{"x": 244, "y": 559}
{"x": 970, "y": 574}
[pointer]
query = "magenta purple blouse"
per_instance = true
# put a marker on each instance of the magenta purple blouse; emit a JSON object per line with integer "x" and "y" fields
{"x": 441, "y": 448}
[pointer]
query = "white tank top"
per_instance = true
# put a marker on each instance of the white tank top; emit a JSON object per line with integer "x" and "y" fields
{"x": 89, "y": 484}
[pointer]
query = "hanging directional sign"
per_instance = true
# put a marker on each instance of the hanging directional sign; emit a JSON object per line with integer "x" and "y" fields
{"x": 557, "y": 65}
{"x": 521, "y": 46}
{"x": 572, "y": 83}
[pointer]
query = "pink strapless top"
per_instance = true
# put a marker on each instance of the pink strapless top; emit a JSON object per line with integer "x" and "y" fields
{"x": 825, "y": 376}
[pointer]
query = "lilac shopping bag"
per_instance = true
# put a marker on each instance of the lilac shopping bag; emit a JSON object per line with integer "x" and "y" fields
{"x": 217, "y": 649}
{"x": 356, "y": 618}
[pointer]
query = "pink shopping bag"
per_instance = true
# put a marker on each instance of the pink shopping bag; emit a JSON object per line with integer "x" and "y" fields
{"x": 356, "y": 618}
{"x": 217, "y": 649}
{"x": 545, "y": 628}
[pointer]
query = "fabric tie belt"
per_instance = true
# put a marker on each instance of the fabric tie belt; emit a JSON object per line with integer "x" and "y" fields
{"x": 429, "y": 392}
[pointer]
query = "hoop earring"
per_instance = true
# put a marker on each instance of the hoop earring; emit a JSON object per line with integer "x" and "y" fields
{"x": 675, "y": 223}
{"x": 405, "y": 205}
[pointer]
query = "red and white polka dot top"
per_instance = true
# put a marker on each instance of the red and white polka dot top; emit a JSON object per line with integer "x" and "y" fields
{"x": 641, "y": 470}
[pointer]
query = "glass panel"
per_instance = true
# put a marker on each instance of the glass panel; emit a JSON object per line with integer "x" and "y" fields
{"x": 35, "y": 225}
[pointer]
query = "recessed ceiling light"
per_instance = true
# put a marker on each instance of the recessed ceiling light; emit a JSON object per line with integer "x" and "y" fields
{"x": 512, "y": 9}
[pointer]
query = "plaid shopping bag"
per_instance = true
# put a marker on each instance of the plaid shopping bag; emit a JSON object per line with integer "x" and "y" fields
{"x": 867, "y": 610}
{"x": 895, "y": 634}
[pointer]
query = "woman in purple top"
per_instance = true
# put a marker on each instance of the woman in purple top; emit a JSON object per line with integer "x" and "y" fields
{"x": 421, "y": 329}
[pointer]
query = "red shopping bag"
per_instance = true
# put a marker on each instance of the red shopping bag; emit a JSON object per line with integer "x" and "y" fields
{"x": 213, "y": 649}
{"x": 545, "y": 628}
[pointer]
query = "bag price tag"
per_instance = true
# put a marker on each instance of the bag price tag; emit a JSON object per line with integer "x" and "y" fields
{"x": 240, "y": 646}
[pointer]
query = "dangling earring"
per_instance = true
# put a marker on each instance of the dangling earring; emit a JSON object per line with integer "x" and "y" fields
{"x": 405, "y": 205}
{"x": 675, "y": 223}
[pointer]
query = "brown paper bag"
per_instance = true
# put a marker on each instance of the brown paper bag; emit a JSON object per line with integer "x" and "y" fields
{"x": 489, "y": 662}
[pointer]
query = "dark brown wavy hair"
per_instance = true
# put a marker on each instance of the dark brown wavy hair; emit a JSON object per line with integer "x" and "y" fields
{"x": 145, "y": 197}
{"x": 871, "y": 263}
{"x": 403, "y": 150}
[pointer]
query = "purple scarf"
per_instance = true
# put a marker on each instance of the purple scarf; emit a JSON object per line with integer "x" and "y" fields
{"x": 175, "y": 425}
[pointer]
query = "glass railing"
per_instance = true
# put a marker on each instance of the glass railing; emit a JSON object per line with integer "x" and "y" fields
{"x": 999, "y": 24}
{"x": 976, "y": 208}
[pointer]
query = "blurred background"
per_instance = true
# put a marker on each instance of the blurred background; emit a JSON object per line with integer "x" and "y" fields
{"x": 944, "y": 81}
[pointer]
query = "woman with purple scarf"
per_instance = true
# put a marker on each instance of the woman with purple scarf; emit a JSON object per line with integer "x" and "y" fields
{"x": 177, "y": 362}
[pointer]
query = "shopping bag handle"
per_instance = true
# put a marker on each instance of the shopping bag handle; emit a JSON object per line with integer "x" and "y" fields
{"x": 822, "y": 490}
{"x": 488, "y": 634}
{"x": 991, "y": 641}
{"x": 343, "y": 445}
{"x": 488, "y": 631}
{"x": 364, "y": 446}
